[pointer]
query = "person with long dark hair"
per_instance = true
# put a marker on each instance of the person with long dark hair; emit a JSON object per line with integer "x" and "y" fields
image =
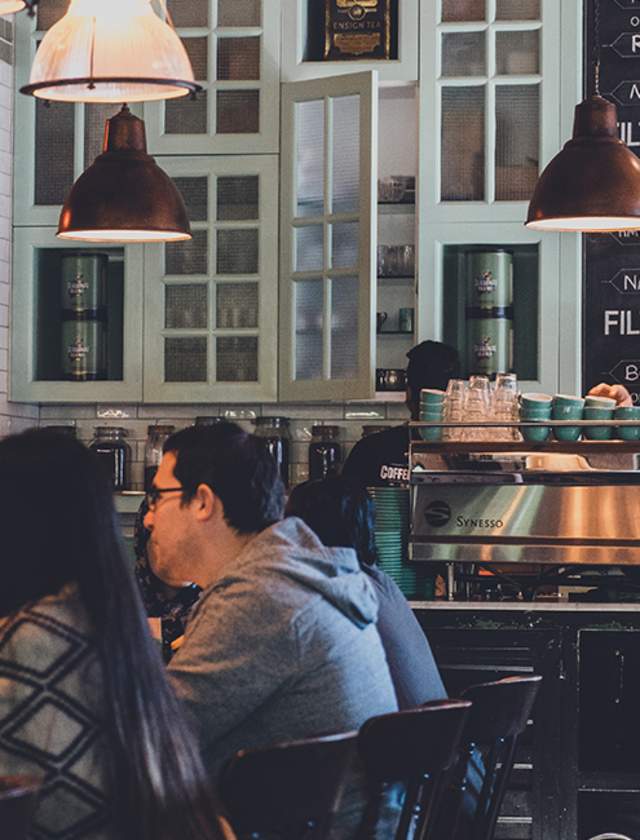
{"x": 340, "y": 512}
{"x": 83, "y": 698}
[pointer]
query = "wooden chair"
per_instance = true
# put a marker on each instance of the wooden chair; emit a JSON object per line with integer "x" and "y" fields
{"x": 289, "y": 791}
{"x": 498, "y": 717}
{"x": 18, "y": 796}
{"x": 411, "y": 749}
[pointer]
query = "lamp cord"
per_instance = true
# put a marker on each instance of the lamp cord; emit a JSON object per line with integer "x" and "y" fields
{"x": 596, "y": 47}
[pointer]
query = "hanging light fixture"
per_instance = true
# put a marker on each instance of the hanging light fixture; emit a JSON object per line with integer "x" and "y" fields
{"x": 111, "y": 51}
{"x": 124, "y": 196}
{"x": 593, "y": 184}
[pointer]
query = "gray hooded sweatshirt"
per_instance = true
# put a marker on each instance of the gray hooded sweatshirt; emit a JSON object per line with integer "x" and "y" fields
{"x": 283, "y": 646}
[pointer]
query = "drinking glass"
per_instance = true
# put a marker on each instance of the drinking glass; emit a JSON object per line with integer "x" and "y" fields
{"x": 454, "y": 408}
{"x": 477, "y": 407}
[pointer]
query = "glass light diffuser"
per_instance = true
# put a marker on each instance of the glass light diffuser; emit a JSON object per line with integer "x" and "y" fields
{"x": 8, "y": 7}
{"x": 593, "y": 184}
{"x": 111, "y": 51}
{"x": 124, "y": 196}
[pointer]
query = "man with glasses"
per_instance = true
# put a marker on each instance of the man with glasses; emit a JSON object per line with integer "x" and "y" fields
{"x": 283, "y": 643}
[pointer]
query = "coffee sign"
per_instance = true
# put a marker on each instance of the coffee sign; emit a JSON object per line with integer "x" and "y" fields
{"x": 611, "y": 322}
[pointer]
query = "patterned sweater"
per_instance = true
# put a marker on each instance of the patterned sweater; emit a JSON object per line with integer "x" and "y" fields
{"x": 51, "y": 717}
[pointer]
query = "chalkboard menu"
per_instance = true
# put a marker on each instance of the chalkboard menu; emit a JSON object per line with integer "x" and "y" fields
{"x": 611, "y": 319}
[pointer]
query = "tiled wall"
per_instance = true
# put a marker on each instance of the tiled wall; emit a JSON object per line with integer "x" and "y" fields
{"x": 13, "y": 416}
{"x": 350, "y": 417}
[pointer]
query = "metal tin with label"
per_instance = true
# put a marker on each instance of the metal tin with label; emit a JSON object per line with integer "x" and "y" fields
{"x": 490, "y": 278}
{"x": 357, "y": 29}
{"x": 84, "y": 281}
{"x": 84, "y": 346}
{"x": 489, "y": 340}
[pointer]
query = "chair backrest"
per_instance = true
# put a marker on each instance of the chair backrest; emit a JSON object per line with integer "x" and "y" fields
{"x": 18, "y": 796}
{"x": 288, "y": 791}
{"x": 414, "y": 748}
{"x": 497, "y": 718}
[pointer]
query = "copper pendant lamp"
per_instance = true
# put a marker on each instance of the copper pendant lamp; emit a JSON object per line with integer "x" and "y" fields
{"x": 124, "y": 196}
{"x": 111, "y": 51}
{"x": 593, "y": 184}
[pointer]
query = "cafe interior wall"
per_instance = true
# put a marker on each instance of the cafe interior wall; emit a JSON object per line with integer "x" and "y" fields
{"x": 14, "y": 417}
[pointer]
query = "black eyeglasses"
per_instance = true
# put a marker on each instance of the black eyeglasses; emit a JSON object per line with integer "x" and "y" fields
{"x": 153, "y": 495}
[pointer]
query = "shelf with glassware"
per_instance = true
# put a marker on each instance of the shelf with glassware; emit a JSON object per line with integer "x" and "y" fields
{"x": 76, "y": 333}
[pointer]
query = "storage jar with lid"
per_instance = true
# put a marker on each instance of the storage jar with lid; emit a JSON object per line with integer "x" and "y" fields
{"x": 275, "y": 431}
{"x": 325, "y": 453}
{"x": 113, "y": 453}
{"x": 156, "y": 436}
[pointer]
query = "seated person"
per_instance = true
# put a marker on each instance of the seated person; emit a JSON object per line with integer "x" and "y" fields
{"x": 282, "y": 643}
{"x": 84, "y": 702}
{"x": 340, "y": 512}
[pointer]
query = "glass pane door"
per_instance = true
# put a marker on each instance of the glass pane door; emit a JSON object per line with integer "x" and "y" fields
{"x": 489, "y": 83}
{"x": 211, "y": 329}
{"x": 329, "y": 238}
{"x": 233, "y": 46}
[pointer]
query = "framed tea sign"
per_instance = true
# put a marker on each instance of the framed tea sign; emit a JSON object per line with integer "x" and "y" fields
{"x": 611, "y": 313}
{"x": 360, "y": 30}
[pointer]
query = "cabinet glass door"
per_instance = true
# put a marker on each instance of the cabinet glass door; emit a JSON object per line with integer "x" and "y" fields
{"x": 328, "y": 232}
{"x": 491, "y": 70}
{"x": 57, "y": 141}
{"x": 234, "y": 50}
{"x": 210, "y": 304}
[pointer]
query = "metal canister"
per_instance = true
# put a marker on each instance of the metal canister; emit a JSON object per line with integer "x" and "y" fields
{"x": 84, "y": 346}
{"x": 489, "y": 278}
{"x": 489, "y": 340}
{"x": 84, "y": 281}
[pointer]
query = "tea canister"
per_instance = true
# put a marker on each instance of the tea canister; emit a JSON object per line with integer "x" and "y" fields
{"x": 113, "y": 454}
{"x": 489, "y": 278}
{"x": 84, "y": 347}
{"x": 84, "y": 282}
{"x": 489, "y": 340}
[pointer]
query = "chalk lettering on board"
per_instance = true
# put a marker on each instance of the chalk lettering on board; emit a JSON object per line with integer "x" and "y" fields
{"x": 621, "y": 322}
{"x": 627, "y": 45}
{"x": 628, "y": 4}
{"x": 626, "y": 281}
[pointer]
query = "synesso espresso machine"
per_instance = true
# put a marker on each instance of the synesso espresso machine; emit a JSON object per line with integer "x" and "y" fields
{"x": 520, "y": 519}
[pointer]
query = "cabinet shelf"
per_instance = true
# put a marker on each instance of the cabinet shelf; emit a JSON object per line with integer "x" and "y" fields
{"x": 398, "y": 208}
{"x": 395, "y": 332}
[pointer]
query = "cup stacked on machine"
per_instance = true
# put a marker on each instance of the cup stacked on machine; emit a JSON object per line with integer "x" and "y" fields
{"x": 392, "y": 538}
{"x": 540, "y": 407}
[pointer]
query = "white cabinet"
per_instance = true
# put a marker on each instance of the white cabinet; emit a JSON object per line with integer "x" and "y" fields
{"x": 210, "y": 304}
{"x": 39, "y": 343}
{"x": 328, "y": 238}
{"x": 496, "y": 76}
{"x": 234, "y": 46}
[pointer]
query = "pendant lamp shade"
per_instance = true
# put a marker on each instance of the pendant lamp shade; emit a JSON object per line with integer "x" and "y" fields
{"x": 124, "y": 196}
{"x": 111, "y": 51}
{"x": 593, "y": 184}
{"x": 8, "y": 7}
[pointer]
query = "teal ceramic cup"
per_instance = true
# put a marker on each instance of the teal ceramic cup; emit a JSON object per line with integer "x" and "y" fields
{"x": 535, "y": 405}
{"x": 628, "y": 413}
{"x": 432, "y": 415}
{"x": 599, "y": 402}
{"x": 567, "y": 408}
{"x": 431, "y": 399}
{"x": 535, "y": 434}
{"x": 598, "y": 432}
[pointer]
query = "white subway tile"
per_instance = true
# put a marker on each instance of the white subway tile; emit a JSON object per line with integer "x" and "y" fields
{"x": 67, "y": 412}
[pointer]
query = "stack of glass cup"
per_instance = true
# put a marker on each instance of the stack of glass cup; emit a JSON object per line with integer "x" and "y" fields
{"x": 474, "y": 402}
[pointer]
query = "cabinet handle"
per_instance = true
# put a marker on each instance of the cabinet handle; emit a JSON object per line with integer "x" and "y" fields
{"x": 620, "y": 656}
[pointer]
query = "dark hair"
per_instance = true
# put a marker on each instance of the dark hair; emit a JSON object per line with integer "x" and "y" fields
{"x": 238, "y": 468}
{"x": 339, "y": 511}
{"x": 431, "y": 365}
{"x": 59, "y": 527}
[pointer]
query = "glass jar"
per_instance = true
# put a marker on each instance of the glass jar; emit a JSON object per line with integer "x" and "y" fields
{"x": 275, "y": 431}
{"x": 113, "y": 453}
{"x": 325, "y": 453}
{"x": 156, "y": 436}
